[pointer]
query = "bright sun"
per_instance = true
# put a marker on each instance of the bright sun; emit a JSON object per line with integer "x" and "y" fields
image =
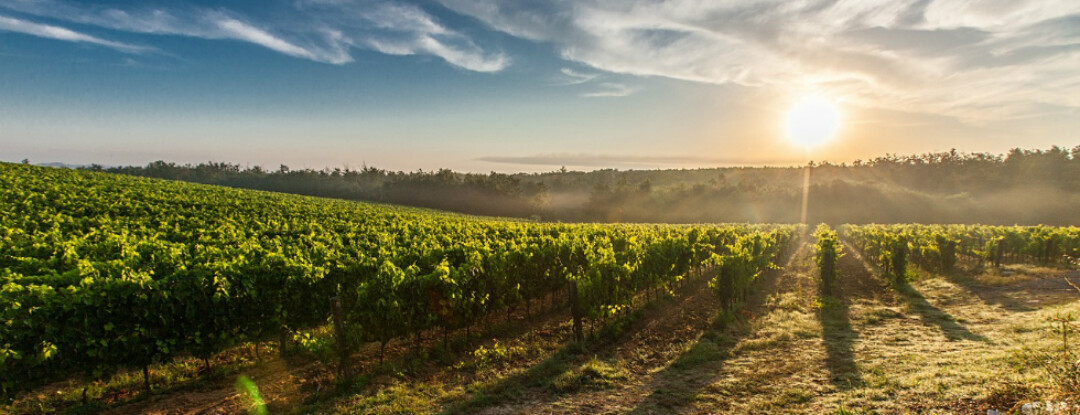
{"x": 812, "y": 121}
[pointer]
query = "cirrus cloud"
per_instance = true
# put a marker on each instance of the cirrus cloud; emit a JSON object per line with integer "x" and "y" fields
{"x": 11, "y": 24}
{"x": 974, "y": 61}
{"x": 318, "y": 30}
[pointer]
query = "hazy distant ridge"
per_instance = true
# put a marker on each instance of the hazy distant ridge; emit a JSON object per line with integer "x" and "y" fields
{"x": 1021, "y": 187}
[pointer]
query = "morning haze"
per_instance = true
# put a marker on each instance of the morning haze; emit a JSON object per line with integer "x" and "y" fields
{"x": 474, "y": 85}
{"x": 539, "y": 207}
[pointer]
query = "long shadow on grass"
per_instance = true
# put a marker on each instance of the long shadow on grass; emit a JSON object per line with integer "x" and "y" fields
{"x": 855, "y": 281}
{"x": 931, "y": 315}
{"x": 928, "y": 313}
{"x": 839, "y": 340}
{"x": 539, "y": 376}
{"x": 992, "y": 295}
{"x": 540, "y": 384}
{"x": 680, "y": 383}
{"x": 543, "y": 382}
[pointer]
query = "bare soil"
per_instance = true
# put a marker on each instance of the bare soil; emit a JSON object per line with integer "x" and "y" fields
{"x": 940, "y": 344}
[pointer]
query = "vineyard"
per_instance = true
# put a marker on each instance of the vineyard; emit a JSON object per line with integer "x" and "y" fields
{"x": 101, "y": 273}
{"x": 106, "y": 276}
{"x": 942, "y": 248}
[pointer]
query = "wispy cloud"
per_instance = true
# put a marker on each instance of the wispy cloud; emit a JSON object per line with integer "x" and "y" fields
{"x": 402, "y": 29}
{"x": 974, "y": 61}
{"x": 319, "y": 30}
{"x": 454, "y": 55}
{"x": 11, "y": 24}
{"x": 236, "y": 29}
{"x": 610, "y": 90}
{"x": 599, "y": 89}
{"x": 609, "y": 160}
{"x": 573, "y": 77}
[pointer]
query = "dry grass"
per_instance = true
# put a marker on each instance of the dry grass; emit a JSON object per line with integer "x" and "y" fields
{"x": 1013, "y": 273}
{"x": 942, "y": 344}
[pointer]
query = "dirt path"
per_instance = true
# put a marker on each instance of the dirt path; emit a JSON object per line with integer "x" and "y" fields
{"x": 663, "y": 330}
{"x": 941, "y": 344}
{"x": 556, "y": 376}
{"x": 286, "y": 385}
{"x": 282, "y": 383}
{"x": 937, "y": 345}
{"x": 677, "y": 355}
{"x": 931, "y": 346}
{"x": 774, "y": 362}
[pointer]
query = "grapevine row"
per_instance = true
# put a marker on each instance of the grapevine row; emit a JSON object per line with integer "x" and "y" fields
{"x": 943, "y": 248}
{"x": 102, "y": 272}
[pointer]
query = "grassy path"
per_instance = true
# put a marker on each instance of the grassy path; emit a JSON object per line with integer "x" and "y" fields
{"x": 940, "y": 344}
{"x": 677, "y": 358}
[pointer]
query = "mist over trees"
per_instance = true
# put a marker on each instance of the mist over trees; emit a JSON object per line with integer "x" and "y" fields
{"x": 1020, "y": 187}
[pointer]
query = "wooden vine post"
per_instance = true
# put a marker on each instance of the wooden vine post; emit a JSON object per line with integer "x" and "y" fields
{"x": 283, "y": 341}
{"x": 575, "y": 310}
{"x": 339, "y": 335}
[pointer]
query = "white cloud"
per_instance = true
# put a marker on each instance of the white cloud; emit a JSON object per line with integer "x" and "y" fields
{"x": 318, "y": 30}
{"x": 462, "y": 57}
{"x": 59, "y": 33}
{"x": 609, "y": 90}
{"x": 405, "y": 29}
{"x": 236, "y": 29}
{"x": 599, "y": 89}
{"x": 575, "y": 77}
{"x": 399, "y": 17}
{"x": 975, "y": 61}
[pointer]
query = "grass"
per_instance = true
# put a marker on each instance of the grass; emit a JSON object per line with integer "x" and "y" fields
{"x": 931, "y": 347}
{"x": 594, "y": 374}
{"x": 1013, "y": 273}
{"x": 937, "y": 347}
{"x": 939, "y": 344}
{"x": 707, "y": 349}
{"x": 791, "y": 397}
{"x": 126, "y": 387}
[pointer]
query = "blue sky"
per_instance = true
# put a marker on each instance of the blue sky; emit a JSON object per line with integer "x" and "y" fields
{"x": 514, "y": 85}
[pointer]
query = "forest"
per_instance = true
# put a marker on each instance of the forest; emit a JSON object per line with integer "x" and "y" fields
{"x": 1024, "y": 186}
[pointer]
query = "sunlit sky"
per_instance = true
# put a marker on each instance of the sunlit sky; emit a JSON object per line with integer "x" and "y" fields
{"x": 522, "y": 85}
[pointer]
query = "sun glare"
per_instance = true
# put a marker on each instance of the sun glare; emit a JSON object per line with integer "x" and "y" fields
{"x": 812, "y": 121}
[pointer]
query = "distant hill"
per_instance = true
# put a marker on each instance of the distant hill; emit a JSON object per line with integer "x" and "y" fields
{"x": 1021, "y": 187}
{"x": 60, "y": 165}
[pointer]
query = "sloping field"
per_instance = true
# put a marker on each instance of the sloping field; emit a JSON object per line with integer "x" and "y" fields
{"x": 673, "y": 319}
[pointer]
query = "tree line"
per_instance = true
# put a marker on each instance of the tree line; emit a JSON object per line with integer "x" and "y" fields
{"x": 1019, "y": 187}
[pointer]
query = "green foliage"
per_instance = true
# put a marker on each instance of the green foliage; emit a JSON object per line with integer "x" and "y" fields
{"x": 594, "y": 374}
{"x": 497, "y": 354}
{"x": 739, "y": 261}
{"x": 828, "y": 250}
{"x": 942, "y": 248}
{"x": 100, "y": 272}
